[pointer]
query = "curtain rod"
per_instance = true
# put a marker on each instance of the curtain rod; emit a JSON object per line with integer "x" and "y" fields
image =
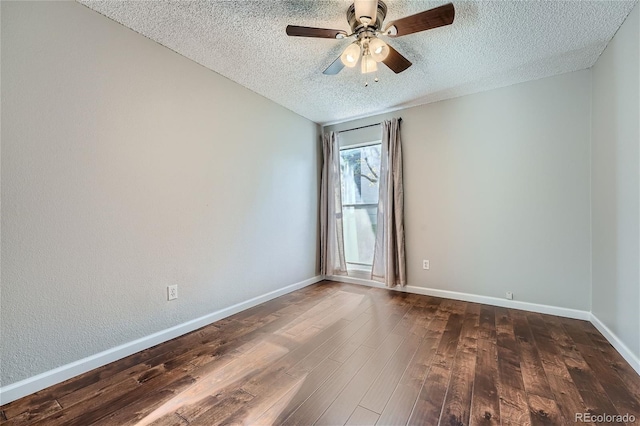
{"x": 364, "y": 127}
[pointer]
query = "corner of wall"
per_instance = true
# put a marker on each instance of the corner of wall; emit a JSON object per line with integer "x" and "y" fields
{"x": 591, "y": 189}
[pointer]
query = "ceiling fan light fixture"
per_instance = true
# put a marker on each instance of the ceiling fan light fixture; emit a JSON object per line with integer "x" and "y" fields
{"x": 351, "y": 55}
{"x": 366, "y": 19}
{"x": 368, "y": 65}
{"x": 379, "y": 49}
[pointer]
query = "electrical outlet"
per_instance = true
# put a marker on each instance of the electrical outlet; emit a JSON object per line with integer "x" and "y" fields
{"x": 172, "y": 292}
{"x": 425, "y": 264}
{"x": 509, "y": 295}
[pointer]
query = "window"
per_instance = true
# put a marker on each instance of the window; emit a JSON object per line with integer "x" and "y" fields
{"x": 359, "y": 168}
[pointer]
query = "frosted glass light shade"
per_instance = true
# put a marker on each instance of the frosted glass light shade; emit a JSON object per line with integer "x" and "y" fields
{"x": 379, "y": 49}
{"x": 351, "y": 55}
{"x": 368, "y": 65}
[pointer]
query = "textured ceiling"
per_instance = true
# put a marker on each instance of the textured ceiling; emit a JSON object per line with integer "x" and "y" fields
{"x": 491, "y": 44}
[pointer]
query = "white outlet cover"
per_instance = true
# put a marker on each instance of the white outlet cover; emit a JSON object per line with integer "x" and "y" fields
{"x": 425, "y": 264}
{"x": 172, "y": 292}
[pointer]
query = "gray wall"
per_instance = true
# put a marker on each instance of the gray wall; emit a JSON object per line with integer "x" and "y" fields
{"x": 497, "y": 192}
{"x": 126, "y": 168}
{"x": 616, "y": 185}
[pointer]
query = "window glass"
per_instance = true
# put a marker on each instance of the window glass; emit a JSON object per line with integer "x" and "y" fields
{"x": 360, "y": 169}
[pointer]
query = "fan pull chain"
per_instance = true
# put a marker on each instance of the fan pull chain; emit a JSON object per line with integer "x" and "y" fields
{"x": 364, "y": 64}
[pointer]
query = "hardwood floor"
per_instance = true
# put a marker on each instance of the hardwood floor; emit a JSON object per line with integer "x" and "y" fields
{"x": 334, "y": 354}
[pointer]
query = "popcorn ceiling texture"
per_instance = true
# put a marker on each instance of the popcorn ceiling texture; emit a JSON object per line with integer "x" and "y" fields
{"x": 491, "y": 44}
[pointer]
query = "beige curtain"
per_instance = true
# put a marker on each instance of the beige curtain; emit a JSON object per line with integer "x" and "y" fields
{"x": 389, "y": 264}
{"x": 332, "y": 261}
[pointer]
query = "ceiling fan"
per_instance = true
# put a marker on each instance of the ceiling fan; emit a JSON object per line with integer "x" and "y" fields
{"x": 365, "y": 17}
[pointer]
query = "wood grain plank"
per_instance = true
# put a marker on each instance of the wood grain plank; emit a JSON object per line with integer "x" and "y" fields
{"x": 344, "y": 351}
{"x": 543, "y": 411}
{"x": 592, "y": 392}
{"x": 567, "y": 397}
{"x": 38, "y": 412}
{"x": 543, "y": 408}
{"x": 589, "y": 387}
{"x": 132, "y": 414}
{"x": 485, "y": 404}
{"x": 362, "y": 417}
{"x": 574, "y": 330}
{"x": 485, "y": 401}
{"x": 384, "y": 385}
{"x": 325, "y": 349}
{"x": 324, "y": 314}
{"x": 428, "y": 405}
{"x": 267, "y": 404}
{"x": 616, "y": 389}
{"x": 347, "y": 400}
{"x": 398, "y": 408}
{"x": 170, "y": 420}
{"x": 513, "y": 399}
{"x": 216, "y": 414}
{"x": 610, "y": 360}
{"x": 552, "y": 361}
{"x": 628, "y": 375}
{"x": 381, "y": 322}
{"x": 311, "y": 409}
{"x": 263, "y": 379}
{"x": 116, "y": 397}
{"x": 93, "y": 408}
{"x": 271, "y": 414}
{"x": 365, "y": 304}
{"x": 533, "y": 374}
{"x": 385, "y": 327}
{"x": 456, "y": 409}
{"x": 564, "y": 391}
{"x": 311, "y": 383}
{"x": 219, "y": 380}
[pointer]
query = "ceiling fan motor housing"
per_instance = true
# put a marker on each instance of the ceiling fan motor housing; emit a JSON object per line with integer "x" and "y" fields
{"x": 357, "y": 26}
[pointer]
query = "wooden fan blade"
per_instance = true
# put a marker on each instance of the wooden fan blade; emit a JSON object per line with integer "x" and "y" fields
{"x": 295, "y": 31}
{"x": 432, "y": 18}
{"x": 396, "y": 61}
{"x": 334, "y": 68}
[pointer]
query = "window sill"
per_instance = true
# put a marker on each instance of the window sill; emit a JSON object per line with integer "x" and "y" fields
{"x": 359, "y": 272}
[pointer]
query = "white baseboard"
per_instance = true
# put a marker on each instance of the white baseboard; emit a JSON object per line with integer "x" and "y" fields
{"x": 468, "y": 297}
{"x": 41, "y": 381}
{"x": 615, "y": 341}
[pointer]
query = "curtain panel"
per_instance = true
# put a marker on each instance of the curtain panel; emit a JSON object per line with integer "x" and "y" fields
{"x": 332, "y": 259}
{"x": 389, "y": 262}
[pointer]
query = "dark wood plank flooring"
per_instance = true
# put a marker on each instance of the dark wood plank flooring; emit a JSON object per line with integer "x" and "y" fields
{"x": 334, "y": 354}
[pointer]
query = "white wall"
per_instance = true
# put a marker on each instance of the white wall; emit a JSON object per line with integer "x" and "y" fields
{"x": 616, "y": 185}
{"x": 126, "y": 168}
{"x": 497, "y": 192}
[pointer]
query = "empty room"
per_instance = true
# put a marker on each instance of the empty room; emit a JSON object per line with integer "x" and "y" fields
{"x": 336, "y": 212}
